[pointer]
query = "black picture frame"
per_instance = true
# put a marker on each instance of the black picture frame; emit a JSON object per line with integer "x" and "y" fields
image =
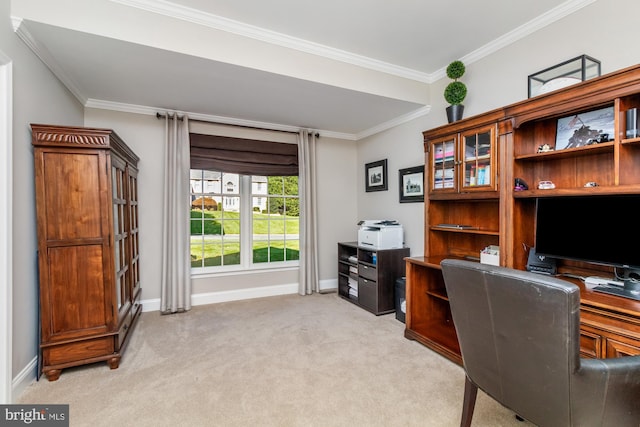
{"x": 375, "y": 176}
{"x": 411, "y": 184}
{"x": 591, "y": 127}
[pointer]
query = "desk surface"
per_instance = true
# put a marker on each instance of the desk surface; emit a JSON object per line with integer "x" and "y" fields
{"x": 588, "y": 297}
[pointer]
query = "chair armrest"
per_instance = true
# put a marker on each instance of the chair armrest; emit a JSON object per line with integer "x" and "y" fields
{"x": 605, "y": 392}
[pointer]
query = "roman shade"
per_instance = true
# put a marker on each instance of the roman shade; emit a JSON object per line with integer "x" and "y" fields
{"x": 243, "y": 156}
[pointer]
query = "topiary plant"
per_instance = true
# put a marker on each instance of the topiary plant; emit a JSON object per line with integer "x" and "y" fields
{"x": 456, "y": 91}
{"x": 455, "y": 70}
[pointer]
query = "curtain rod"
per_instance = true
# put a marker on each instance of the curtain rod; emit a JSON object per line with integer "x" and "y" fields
{"x": 180, "y": 118}
{"x": 171, "y": 116}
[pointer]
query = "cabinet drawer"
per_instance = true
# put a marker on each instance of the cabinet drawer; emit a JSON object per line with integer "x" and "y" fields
{"x": 367, "y": 294}
{"x": 617, "y": 348}
{"x": 368, "y": 272}
{"x": 78, "y": 351}
{"x": 590, "y": 344}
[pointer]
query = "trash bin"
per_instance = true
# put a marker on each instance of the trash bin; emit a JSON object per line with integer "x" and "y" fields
{"x": 400, "y": 294}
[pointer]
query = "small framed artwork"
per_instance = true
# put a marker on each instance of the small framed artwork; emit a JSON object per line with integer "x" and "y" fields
{"x": 578, "y": 130}
{"x": 411, "y": 184}
{"x": 375, "y": 174}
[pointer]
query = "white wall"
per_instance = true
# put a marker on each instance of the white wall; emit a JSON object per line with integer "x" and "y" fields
{"x": 338, "y": 179}
{"x": 402, "y": 146}
{"x": 38, "y": 97}
{"x": 606, "y": 30}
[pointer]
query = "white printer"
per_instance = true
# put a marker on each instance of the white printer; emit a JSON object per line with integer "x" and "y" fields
{"x": 380, "y": 234}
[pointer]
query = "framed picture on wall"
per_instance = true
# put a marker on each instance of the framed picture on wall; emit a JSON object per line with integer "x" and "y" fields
{"x": 375, "y": 174}
{"x": 411, "y": 181}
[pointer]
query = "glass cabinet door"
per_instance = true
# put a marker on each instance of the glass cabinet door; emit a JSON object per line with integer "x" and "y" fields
{"x": 132, "y": 196}
{"x": 120, "y": 236}
{"x": 478, "y": 150}
{"x": 443, "y": 165}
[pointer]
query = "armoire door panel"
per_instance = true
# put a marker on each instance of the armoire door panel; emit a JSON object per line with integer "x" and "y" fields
{"x": 77, "y": 215}
{"x": 76, "y": 289}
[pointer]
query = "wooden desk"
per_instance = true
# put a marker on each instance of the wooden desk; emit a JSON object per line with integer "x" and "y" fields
{"x": 609, "y": 325}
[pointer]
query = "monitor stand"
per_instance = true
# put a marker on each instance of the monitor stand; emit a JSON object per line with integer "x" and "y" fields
{"x": 630, "y": 289}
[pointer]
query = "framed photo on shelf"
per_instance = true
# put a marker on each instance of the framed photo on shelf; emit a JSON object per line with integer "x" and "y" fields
{"x": 411, "y": 182}
{"x": 375, "y": 174}
{"x": 579, "y": 130}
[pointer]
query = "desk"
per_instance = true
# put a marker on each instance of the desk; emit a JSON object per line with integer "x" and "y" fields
{"x": 609, "y": 325}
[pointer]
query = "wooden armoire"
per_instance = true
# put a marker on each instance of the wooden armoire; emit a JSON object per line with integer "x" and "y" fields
{"x": 88, "y": 246}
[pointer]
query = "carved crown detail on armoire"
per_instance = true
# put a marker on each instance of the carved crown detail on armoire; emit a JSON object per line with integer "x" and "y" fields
{"x": 88, "y": 245}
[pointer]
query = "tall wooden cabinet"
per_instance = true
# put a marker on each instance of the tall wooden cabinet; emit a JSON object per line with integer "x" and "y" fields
{"x": 507, "y": 142}
{"x": 88, "y": 246}
{"x": 462, "y": 217}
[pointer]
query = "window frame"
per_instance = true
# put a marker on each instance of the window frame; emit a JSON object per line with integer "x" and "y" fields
{"x": 246, "y": 237}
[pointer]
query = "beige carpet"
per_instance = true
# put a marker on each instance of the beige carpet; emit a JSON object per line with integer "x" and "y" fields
{"x": 279, "y": 361}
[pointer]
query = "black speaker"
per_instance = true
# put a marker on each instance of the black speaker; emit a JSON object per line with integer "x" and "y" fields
{"x": 632, "y": 123}
{"x": 540, "y": 263}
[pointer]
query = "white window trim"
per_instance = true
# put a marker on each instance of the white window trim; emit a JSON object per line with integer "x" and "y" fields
{"x": 246, "y": 223}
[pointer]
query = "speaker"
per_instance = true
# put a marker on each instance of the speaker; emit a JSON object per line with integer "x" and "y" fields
{"x": 632, "y": 123}
{"x": 540, "y": 263}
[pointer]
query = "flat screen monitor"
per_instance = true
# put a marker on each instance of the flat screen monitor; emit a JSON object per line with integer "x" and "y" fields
{"x": 597, "y": 229}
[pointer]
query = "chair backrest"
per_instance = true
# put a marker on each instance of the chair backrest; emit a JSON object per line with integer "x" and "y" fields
{"x": 518, "y": 335}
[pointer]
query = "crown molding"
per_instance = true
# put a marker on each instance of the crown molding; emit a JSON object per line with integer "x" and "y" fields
{"x": 199, "y": 17}
{"x": 47, "y": 58}
{"x": 152, "y": 111}
{"x": 422, "y": 111}
{"x": 173, "y": 10}
{"x": 547, "y": 18}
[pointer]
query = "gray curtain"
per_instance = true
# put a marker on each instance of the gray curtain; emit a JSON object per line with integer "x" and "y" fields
{"x": 308, "y": 272}
{"x": 176, "y": 263}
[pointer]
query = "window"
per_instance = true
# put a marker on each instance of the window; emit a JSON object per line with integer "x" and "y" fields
{"x": 276, "y": 218}
{"x": 241, "y": 221}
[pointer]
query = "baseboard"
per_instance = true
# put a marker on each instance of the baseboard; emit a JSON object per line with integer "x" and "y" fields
{"x": 241, "y": 294}
{"x": 224, "y": 296}
{"x": 24, "y": 378}
{"x": 328, "y": 286}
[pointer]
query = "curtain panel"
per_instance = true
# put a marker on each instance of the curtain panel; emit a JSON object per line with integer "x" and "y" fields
{"x": 175, "y": 286}
{"x": 243, "y": 156}
{"x": 308, "y": 282}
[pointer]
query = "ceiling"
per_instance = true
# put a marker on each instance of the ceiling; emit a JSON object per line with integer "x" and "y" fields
{"x": 346, "y": 68}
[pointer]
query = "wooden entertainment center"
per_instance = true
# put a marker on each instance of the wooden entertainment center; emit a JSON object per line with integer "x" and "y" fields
{"x": 472, "y": 165}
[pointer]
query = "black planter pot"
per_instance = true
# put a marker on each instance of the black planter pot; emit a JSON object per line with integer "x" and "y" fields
{"x": 454, "y": 112}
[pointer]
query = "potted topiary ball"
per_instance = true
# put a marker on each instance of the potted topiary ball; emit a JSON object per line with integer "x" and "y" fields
{"x": 455, "y": 92}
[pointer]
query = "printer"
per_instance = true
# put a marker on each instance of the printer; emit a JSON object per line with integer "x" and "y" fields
{"x": 380, "y": 234}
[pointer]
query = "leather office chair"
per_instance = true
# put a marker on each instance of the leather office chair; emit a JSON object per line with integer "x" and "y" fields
{"x": 519, "y": 339}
